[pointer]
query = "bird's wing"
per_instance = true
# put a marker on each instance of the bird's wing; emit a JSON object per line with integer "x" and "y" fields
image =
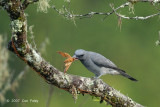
{"x": 101, "y": 61}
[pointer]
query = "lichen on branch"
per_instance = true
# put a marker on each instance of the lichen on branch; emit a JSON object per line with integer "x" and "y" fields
{"x": 43, "y": 6}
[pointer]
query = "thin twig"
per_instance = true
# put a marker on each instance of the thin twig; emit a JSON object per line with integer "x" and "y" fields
{"x": 68, "y": 14}
{"x": 136, "y": 17}
{"x": 153, "y": 1}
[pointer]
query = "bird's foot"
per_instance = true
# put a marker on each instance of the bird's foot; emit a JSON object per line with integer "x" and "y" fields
{"x": 96, "y": 79}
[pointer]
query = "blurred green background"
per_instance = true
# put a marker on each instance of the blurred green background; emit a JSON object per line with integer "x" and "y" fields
{"x": 132, "y": 48}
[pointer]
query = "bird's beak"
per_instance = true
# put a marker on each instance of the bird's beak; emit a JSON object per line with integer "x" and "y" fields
{"x": 74, "y": 56}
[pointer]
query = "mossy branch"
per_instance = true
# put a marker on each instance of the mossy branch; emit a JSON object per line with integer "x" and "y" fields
{"x": 71, "y": 83}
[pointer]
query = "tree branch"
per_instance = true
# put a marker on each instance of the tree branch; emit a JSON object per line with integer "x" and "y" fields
{"x": 71, "y": 83}
{"x": 136, "y": 17}
{"x": 68, "y": 14}
{"x": 152, "y": 1}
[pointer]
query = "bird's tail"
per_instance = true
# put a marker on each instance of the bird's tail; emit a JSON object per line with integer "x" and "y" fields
{"x": 126, "y": 75}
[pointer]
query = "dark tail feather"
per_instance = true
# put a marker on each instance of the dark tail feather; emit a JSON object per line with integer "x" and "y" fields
{"x": 127, "y": 76}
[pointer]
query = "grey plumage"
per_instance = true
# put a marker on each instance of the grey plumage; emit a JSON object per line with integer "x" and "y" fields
{"x": 98, "y": 64}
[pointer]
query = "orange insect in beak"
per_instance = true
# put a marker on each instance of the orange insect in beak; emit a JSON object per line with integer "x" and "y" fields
{"x": 68, "y": 61}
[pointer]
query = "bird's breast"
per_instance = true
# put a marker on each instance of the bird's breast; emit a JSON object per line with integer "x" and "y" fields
{"x": 91, "y": 66}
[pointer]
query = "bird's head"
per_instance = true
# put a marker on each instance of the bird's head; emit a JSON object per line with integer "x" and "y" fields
{"x": 80, "y": 54}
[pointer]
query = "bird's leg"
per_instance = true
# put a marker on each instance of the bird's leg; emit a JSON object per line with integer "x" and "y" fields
{"x": 96, "y": 77}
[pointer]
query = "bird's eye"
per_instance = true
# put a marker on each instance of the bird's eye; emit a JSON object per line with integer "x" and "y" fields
{"x": 81, "y": 55}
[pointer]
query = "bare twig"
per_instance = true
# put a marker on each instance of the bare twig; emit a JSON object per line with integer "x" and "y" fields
{"x": 68, "y": 14}
{"x": 136, "y": 17}
{"x": 152, "y": 1}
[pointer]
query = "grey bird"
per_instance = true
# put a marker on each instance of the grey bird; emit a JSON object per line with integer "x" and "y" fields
{"x": 98, "y": 64}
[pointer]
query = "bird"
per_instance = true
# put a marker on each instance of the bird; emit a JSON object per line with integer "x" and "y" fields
{"x": 98, "y": 64}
